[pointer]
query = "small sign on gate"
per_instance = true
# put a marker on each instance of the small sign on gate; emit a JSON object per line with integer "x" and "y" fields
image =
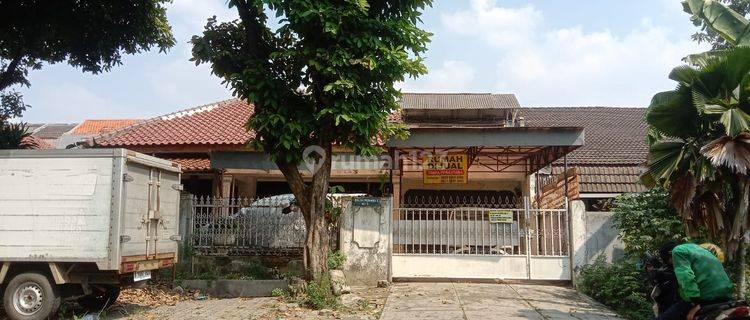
{"x": 366, "y": 202}
{"x": 501, "y": 216}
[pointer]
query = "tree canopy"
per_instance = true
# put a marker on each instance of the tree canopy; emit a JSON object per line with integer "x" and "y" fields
{"x": 91, "y": 35}
{"x": 322, "y": 75}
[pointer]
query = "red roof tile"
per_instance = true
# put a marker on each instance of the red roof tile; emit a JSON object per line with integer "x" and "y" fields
{"x": 220, "y": 123}
{"x": 93, "y": 127}
{"x": 37, "y": 143}
{"x": 190, "y": 162}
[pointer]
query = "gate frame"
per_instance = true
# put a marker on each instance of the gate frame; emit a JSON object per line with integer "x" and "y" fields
{"x": 527, "y": 235}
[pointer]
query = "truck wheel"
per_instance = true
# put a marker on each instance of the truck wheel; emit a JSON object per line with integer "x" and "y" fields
{"x": 100, "y": 299}
{"x": 30, "y": 296}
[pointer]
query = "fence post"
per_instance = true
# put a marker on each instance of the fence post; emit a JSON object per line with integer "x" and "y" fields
{"x": 186, "y": 215}
{"x": 577, "y": 238}
{"x": 527, "y": 223}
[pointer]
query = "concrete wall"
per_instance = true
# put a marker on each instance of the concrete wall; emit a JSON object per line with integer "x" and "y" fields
{"x": 365, "y": 239}
{"x": 593, "y": 234}
{"x": 601, "y": 237}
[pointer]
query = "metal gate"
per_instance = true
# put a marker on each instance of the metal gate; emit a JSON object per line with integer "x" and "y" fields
{"x": 480, "y": 239}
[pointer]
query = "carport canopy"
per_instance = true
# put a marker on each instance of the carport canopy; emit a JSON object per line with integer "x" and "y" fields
{"x": 489, "y": 149}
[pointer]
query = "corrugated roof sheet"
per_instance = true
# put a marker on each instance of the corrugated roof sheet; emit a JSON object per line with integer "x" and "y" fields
{"x": 459, "y": 101}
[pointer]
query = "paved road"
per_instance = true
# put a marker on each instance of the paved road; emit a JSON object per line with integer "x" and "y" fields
{"x": 489, "y": 301}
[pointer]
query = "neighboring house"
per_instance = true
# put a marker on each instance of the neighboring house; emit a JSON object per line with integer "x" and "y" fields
{"x": 50, "y": 133}
{"x": 91, "y": 128}
{"x": 608, "y": 164}
{"x": 615, "y": 153}
{"x": 65, "y": 135}
{"x": 188, "y": 137}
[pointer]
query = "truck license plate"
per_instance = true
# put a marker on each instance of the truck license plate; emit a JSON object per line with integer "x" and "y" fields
{"x": 141, "y": 275}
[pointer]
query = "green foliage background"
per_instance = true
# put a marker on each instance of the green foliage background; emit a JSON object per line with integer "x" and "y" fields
{"x": 646, "y": 221}
{"x": 620, "y": 286}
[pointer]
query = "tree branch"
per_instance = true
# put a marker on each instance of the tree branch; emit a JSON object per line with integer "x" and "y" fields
{"x": 250, "y": 17}
{"x": 6, "y": 77}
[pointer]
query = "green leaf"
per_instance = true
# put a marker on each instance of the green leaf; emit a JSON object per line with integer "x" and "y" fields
{"x": 731, "y": 25}
{"x": 735, "y": 121}
{"x": 672, "y": 113}
{"x": 664, "y": 159}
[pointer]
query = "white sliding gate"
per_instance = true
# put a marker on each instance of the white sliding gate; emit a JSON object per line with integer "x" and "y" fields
{"x": 480, "y": 240}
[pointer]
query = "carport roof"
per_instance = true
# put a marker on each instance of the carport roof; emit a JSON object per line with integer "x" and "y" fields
{"x": 494, "y": 148}
{"x": 489, "y": 136}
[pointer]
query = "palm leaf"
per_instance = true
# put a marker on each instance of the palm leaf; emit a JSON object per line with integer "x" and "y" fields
{"x": 664, "y": 159}
{"x": 682, "y": 192}
{"x": 731, "y": 152}
{"x": 673, "y": 114}
{"x": 735, "y": 121}
{"x": 15, "y": 136}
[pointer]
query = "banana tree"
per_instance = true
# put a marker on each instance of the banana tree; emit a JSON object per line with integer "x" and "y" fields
{"x": 733, "y": 27}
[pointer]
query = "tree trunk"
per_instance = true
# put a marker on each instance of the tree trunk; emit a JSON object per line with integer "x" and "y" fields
{"x": 742, "y": 260}
{"x": 312, "y": 202}
{"x": 316, "y": 248}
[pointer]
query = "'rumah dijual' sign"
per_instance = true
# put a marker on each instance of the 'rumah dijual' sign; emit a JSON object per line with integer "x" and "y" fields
{"x": 445, "y": 168}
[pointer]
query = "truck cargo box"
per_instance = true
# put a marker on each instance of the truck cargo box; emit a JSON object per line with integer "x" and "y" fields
{"x": 113, "y": 207}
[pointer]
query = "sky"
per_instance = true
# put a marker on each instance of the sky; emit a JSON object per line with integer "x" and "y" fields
{"x": 546, "y": 52}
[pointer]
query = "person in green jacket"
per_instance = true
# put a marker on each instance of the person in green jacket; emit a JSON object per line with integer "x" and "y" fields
{"x": 700, "y": 275}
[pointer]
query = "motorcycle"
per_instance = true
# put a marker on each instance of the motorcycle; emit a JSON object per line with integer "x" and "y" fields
{"x": 665, "y": 293}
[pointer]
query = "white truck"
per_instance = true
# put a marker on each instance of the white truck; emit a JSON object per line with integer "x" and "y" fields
{"x": 81, "y": 223}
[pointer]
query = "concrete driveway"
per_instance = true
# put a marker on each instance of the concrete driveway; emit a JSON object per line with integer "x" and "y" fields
{"x": 489, "y": 301}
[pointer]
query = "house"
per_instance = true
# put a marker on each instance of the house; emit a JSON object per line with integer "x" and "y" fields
{"x": 477, "y": 189}
{"x": 615, "y": 153}
{"x": 50, "y": 133}
{"x": 64, "y": 135}
{"x": 210, "y": 142}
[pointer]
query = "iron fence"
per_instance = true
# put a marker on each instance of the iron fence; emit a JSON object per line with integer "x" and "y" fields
{"x": 490, "y": 227}
{"x": 244, "y": 226}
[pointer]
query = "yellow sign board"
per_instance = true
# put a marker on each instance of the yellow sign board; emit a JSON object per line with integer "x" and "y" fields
{"x": 501, "y": 216}
{"x": 445, "y": 168}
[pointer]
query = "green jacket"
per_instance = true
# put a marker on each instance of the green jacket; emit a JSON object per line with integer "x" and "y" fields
{"x": 700, "y": 274}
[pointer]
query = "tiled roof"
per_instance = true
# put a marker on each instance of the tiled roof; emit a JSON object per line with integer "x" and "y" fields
{"x": 613, "y": 135}
{"x": 53, "y": 130}
{"x": 220, "y": 123}
{"x": 38, "y": 143}
{"x": 94, "y": 127}
{"x": 190, "y": 162}
{"x": 452, "y": 101}
{"x": 608, "y": 178}
{"x": 31, "y": 127}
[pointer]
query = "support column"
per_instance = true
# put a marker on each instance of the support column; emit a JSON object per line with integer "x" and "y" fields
{"x": 577, "y": 236}
{"x": 226, "y": 185}
{"x": 395, "y": 206}
{"x": 252, "y": 188}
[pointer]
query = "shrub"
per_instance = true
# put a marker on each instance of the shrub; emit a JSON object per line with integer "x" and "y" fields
{"x": 620, "y": 286}
{"x": 319, "y": 294}
{"x": 336, "y": 260}
{"x": 646, "y": 221}
{"x": 279, "y": 293}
